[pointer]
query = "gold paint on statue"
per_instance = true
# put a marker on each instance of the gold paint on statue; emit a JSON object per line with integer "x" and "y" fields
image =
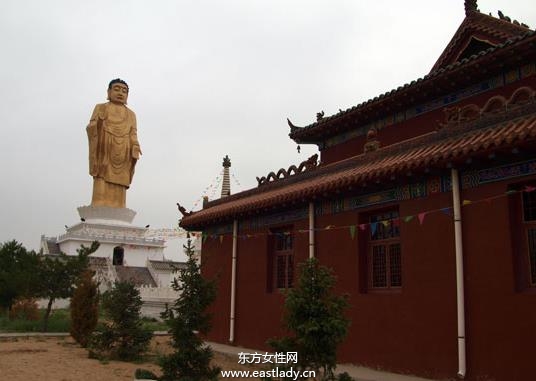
{"x": 113, "y": 148}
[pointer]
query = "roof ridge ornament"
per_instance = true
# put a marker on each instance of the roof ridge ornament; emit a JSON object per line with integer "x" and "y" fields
{"x": 372, "y": 144}
{"x": 495, "y": 105}
{"x": 293, "y": 128}
{"x": 503, "y": 17}
{"x": 183, "y": 211}
{"x": 471, "y": 6}
{"x": 305, "y": 165}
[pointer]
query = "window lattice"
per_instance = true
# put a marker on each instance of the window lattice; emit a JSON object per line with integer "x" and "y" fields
{"x": 395, "y": 265}
{"x": 529, "y": 206}
{"x": 385, "y": 257}
{"x": 379, "y": 266}
{"x": 284, "y": 260}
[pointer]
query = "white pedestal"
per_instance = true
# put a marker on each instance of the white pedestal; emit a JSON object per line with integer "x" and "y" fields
{"x": 106, "y": 215}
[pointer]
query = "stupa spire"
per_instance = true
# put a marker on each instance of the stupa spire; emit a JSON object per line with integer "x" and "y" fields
{"x": 226, "y": 183}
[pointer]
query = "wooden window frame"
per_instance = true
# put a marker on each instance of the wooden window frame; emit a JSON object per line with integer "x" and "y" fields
{"x": 392, "y": 255}
{"x": 530, "y": 245}
{"x": 520, "y": 227}
{"x": 385, "y": 276}
{"x": 281, "y": 267}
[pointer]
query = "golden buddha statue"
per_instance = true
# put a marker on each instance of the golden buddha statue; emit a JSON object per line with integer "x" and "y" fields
{"x": 113, "y": 147}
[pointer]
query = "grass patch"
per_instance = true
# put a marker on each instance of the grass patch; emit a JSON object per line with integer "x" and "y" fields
{"x": 60, "y": 321}
{"x": 153, "y": 324}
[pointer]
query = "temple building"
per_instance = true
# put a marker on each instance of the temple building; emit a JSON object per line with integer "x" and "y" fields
{"x": 423, "y": 202}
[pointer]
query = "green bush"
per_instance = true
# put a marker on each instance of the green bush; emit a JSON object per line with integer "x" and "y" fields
{"x": 121, "y": 336}
{"x": 315, "y": 317}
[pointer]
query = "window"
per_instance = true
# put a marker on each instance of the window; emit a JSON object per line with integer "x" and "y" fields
{"x": 522, "y": 204}
{"x": 384, "y": 260}
{"x": 281, "y": 271}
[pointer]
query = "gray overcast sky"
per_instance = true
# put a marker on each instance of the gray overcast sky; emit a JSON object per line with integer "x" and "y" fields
{"x": 207, "y": 78}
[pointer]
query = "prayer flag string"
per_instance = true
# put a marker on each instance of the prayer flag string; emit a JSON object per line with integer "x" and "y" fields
{"x": 373, "y": 226}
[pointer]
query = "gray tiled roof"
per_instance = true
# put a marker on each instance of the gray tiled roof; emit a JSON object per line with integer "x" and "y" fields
{"x": 166, "y": 265}
{"x": 97, "y": 263}
{"x": 139, "y": 276}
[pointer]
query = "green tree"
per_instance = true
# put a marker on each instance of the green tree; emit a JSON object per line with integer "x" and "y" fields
{"x": 122, "y": 335}
{"x": 58, "y": 275}
{"x": 314, "y": 315}
{"x": 84, "y": 308}
{"x": 18, "y": 273}
{"x": 187, "y": 318}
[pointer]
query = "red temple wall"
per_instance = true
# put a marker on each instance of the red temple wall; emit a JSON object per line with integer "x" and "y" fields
{"x": 413, "y": 331}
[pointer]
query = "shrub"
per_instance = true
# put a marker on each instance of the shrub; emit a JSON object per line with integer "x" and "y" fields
{"x": 84, "y": 308}
{"x": 121, "y": 336}
{"x": 24, "y": 309}
{"x": 186, "y": 318}
{"x": 144, "y": 374}
{"x": 315, "y": 318}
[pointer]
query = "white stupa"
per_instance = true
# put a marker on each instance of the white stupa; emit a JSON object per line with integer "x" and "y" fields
{"x": 126, "y": 253}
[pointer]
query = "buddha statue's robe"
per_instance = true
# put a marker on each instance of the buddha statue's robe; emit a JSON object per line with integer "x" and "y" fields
{"x": 113, "y": 152}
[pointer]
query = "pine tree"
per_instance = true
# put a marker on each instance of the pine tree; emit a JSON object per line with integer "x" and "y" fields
{"x": 186, "y": 318}
{"x": 314, "y": 315}
{"x": 84, "y": 308}
{"x": 122, "y": 335}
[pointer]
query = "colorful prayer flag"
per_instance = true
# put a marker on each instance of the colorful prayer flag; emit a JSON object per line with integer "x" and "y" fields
{"x": 352, "y": 231}
{"x": 421, "y": 217}
{"x": 373, "y": 227}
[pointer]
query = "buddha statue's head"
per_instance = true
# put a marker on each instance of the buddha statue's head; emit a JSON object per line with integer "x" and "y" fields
{"x": 118, "y": 91}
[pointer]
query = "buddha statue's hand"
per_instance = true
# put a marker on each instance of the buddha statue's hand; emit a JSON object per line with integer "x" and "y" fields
{"x": 136, "y": 153}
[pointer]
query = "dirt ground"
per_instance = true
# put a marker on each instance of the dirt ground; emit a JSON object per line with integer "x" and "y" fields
{"x": 62, "y": 359}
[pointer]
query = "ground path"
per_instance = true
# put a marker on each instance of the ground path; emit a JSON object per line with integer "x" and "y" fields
{"x": 56, "y": 357}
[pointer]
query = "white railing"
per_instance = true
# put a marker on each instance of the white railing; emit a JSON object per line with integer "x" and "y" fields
{"x": 112, "y": 238}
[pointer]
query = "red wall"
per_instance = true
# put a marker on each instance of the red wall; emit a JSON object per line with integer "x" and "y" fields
{"x": 500, "y": 321}
{"x": 412, "y": 331}
{"x": 400, "y": 329}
